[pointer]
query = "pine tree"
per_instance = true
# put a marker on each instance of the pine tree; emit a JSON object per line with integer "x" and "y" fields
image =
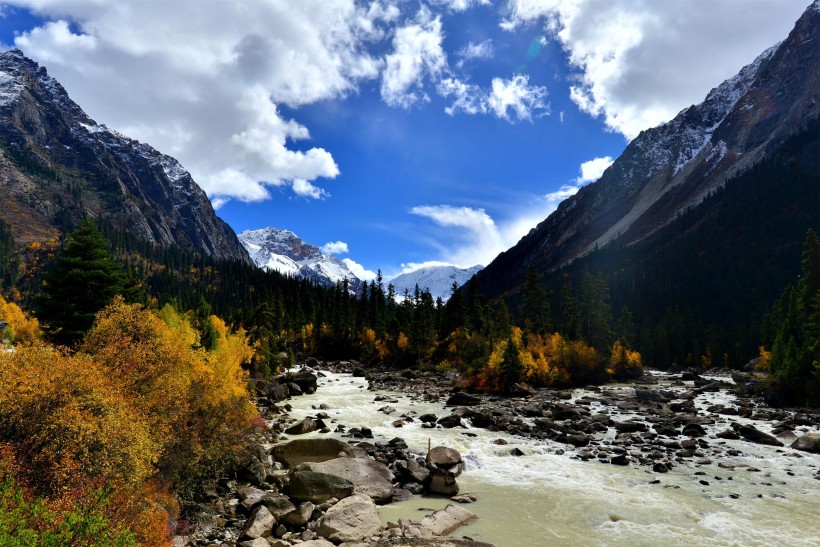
{"x": 84, "y": 280}
{"x": 535, "y": 311}
{"x": 511, "y": 367}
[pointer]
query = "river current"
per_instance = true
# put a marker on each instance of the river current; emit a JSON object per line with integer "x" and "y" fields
{"x": 543, "y": 498}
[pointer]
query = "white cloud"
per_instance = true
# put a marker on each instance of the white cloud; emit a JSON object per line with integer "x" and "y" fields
{"x": 511, "y": 100}
{"x": 478, "y": 239}
{"x": 335, "y": 247}
{"x": 417, "y": 52}
{"x": 411, "y": 267}
{"x": 640, "y": 63}
{"x": 593, "y": 169}
{"x": 459, "y": 5}
{"x": 360, "y": 271}
{"x": 562, "y": 193}
{"x": 482, "y": 50}
{"x": 205, "y": 85}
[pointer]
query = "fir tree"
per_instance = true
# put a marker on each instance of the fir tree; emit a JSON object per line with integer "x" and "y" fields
{"x": 84, "y": 280}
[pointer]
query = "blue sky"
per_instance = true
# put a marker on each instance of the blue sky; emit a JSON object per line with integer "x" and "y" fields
{"x": 404, "y": 131}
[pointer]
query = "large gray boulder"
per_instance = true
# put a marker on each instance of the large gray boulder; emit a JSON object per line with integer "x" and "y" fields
{"x": 317, "y": 487}
{"x": 369, "y": 477}
{"x": 259, "y": 524}
{"x": 448, "y": 520}
{"x": 300, "y": 451}
{"x": 308, "y": 425}
{"x": 354, "y": 519}
{"x": 810, "y": 442}
{"x": 442, "y": 457}
{"x": 442, "y": 482}
{"x": 752, "y": 434}
{"x": 305, "y": 379}
{"x": 277, "y": 504}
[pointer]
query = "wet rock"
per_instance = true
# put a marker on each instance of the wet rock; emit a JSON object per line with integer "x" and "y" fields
{"x": 450, "y": 421}
{"x": 306, "y": 380}
{"x": 620, "y": 459}
{"x": 259, "y": 524}
{"x": 294, "y": 390}
{"x": 401, "y": 494}
{"x": 651, "y": 396}
{"x": 728, "y": 434}
{"x": 752, "y": 434}
{"x": 354, "y": 519}
{"x": 809, "y": 442}
{"x": 630, "y": 427}
{"x": 369, "y": 477}
{"x": 465, "y": 498}
{"x": 443, "y": 482}
{"x": 444, "y": 457}
{"x": 318, "y": 487}
{"x": 412, "y": 471}
{"x": 517, "y": 452}
{"x": 463, "y": 399}
{"x": 300, "y": 451}
{"x": 694, "y": 430}
{"x": 428, "y": 418}
{"x": 448, "y": 520}
{"x": 307, "y": 425}
{"x": 254, "y": 472}
{"x": 660, "y": 468}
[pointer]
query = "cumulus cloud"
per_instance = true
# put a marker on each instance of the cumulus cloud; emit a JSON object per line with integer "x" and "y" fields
{"x": 459, "y": 5}
{"x": 511, "y": 100}
{"x": 473, "y": 236}
{"x": 638, "y": 67}
{"x": 417, "y": 52}
{"x": 360, "y": 271}
{"x": 205, "y": 86}
{"x": 335, "y": 247}
{"x": 562, "y": 193}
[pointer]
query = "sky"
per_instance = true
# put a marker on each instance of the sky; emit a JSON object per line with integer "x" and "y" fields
{"x": 393, "y": 133}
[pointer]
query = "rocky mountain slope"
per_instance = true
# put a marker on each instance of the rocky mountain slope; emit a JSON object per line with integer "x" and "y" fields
{"x": 284, "y": 252}
{"x": 437, "y": 279}
{"x": 670, "y": 169}
{"x": 57, "y": 165}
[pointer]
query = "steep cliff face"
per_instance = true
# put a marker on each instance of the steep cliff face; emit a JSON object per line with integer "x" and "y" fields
{"x": 58, "y": 165}
{"x": 670, "y": 169}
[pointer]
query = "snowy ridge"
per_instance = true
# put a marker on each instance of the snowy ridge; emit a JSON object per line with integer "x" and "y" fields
{"x": 437, "y": 279}
{"x": 284, "y": 252}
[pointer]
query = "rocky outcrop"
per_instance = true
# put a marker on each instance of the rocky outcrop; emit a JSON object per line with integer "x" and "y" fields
{"x": 369, "y": 477}
{"x": 448, "y": 520}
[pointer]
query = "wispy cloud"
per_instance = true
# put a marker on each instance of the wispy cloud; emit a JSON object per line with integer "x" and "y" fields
{"x": 511, "y": 100}
{"x": 590, "y": 171}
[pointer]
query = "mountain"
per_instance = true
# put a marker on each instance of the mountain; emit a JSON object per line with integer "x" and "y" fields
{"x": 698, "y": 226}
{"x": 670, "y": 169}
{"x": 437, "y": 279}
{"x": 284, "y": 252}
{"x": 57, "y": 166}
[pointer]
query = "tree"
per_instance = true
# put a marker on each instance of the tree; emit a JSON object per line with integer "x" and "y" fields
{"x": 511, "y": 367}
{"x": 84, "y": 280}
{"x": 535, "y": 311}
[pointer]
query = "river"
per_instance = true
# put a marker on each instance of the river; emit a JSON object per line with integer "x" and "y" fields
{"x": 544, "y": 498}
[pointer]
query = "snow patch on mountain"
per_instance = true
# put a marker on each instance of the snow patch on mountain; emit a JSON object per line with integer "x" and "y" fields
{"x": 437, "y": 279}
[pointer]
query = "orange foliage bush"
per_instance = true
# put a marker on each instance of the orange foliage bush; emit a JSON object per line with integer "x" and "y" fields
{"x": 21, "y": 328}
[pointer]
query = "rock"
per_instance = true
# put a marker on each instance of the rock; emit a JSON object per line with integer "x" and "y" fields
{"x": 300, "y": 515}
{"x": 443, "y": 482}
{"x": 369, "y": 477}
{"x": 651, "y": 396}
{"x": 294, "y": 390}
{"x": 728, "y": 434}
{"x": 306, "y": 380}
{"x": 401, "y": 494}
{"x": 428, "y": 418}
{"x": 448, "y": 520}
{"x": 411, "y": 471}
{"x": 254, "y": 472}
{"x": 694, "y": 430}
{"x": 450, "y": 421}
{"x": 463, "y": 399}
{"x": 313, "y": 450}
{"x": 259, "y": 524}
{"x": 316, "y": 543}
{"x": 577, "y": 440}
{"x": 277, "y": 504}
{"x": 660, "y": 468}
{"x": 354, "y": 519}
{"x": 752, "y": 434}
{"x": 307, "y": 425}
{"x": 809, "y": 442}
{"x": 465, "y": 498}
{"x": 630, "y": 427}
{"x": 318, "y": 487}
{"x": 620, "y": 459}
{"x": 443, "y": 458}
{"x": 258, "y": 542}
{"x": 517, "y": 452}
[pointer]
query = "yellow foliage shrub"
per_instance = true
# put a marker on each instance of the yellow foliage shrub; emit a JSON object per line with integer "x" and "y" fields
{"x": 21, "y": 328}
{"x": 624, "y": 363}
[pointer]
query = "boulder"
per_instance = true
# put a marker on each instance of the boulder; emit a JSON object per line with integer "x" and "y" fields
{"x": 448, "y": 520}
{"x": 651, "y": 396}
{"x": 463, "y": 399}
{"x": 277, "y": 504}
{"x": 258, "y": 542}
{"x": 313, "y": 450}
{"x": 319, "y": 542}
{"x": 306, "y": 380}
{"x": 444, "y": 458}
{"x": 810, "y": 442}
{"x": 752, "y": 434}
{"x": 308, "y": 425}
{"x": 630, "y": 427}
{"x": 259, "y": 524}
{"x": 443, "y": 482}
{"x": 354, "y": 519}
{"x": 369, "y": 477}
{"x": 299, "y": 516}
{"x": 254, "y": 472}
{"x": 317, "y": 487}
{"x": 412, "y": 472}
{"x": 450, "y": 421}
{"x": 428, "y": 418}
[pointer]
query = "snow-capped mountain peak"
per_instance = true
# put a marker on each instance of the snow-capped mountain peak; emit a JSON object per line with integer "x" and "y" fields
{"x": 284, "y": 252}
{"x": 437, "y": 279}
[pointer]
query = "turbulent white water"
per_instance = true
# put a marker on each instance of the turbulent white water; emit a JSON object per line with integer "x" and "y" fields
{"x": 544, "y": 498}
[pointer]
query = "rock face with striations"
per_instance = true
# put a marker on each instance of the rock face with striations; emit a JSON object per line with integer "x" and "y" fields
{"x": 57, "y": 166}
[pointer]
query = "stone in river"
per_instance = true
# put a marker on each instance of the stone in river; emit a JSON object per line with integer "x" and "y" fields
{"x": 313, "y": 450}
{"x": 810, "y": 442}
{"x": 752, "y": 434}
{"x": 369, "y": 477}
{"x": 463, "y": 399}
{"x": 450, "y": 421}
{"x": 352, "y": 520}
{"x": 448, "y": 520}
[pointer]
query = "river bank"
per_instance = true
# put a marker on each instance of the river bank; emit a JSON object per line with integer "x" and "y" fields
{"x": 535, "y": 488}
